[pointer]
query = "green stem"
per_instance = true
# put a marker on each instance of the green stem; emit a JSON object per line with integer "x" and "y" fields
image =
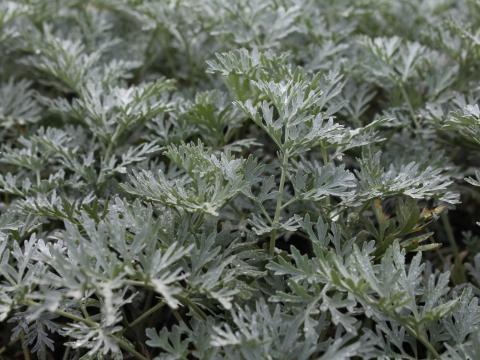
{"x": 237, "y": 211}
{"x": 184, "y": 299}
{"x": 67, "y": 353}
{"x": 289, "y": 202}
{"x": 147, "y": 53}
{"x": 198, "y": 222}
{"x": 276, "y": 218}
{"x": 177, "y": 316}
{"x": 325, "y": 158}
{"x": 449, "y": 231}
{"x": 409, "y": 104}
{"x": 148, "y": 300}
{"x": 76, "y": 318}
{"x": 127, "y": 347}
{"x": 263, "y": 210}
{"x": 83, "y": 307}
{"x": 193, "y": 307}
{"x": 37, "y": 176}
{"x": 425, "y": 343}
{"x": 458, "y": 270}
{"x": 108, "y": 151}
{"x": 26, "y": 352}
{"x": 188, "y": 54}
{"x": 145, "y": 315}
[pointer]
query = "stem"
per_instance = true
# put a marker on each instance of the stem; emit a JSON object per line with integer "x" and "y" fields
{"x": 177, "y": 316}
{"x": 145, "y": 315}
{"x": 289, "y": 202}
{"x": 198, "y": 221}
{"x": 425, "y": 343}
{"x": 193, "y": 307}
{"x": 148, "y": 301}
{"x": 237, "y": 211}
{"x": 38, "y": 178}
{"x": 109, "y": 150}
{"x": 188, "y": 54}
{"x": 147, "y": 53}
{"x": 326, "y": 160}
{"x": 184, "y": 299}
{"x": 264, "y": 211}
{"x": 67, "y": 353}
{"x": 459, "y": 271}
{"x": 324, "y": 152}
{"x": 278, "y": 208}
{"x": 409, "y": 104}
{"x": 449, "y": 231}
{"x": 26, "y": 353}
{"x": 76, "y": 318}
{"x": 83, "y": 307}
{"x": 126, "y": 346}
{"x": 104, "y": 160}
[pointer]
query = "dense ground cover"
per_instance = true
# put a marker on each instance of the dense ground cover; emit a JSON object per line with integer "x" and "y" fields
{"x": 248, "y": 179}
